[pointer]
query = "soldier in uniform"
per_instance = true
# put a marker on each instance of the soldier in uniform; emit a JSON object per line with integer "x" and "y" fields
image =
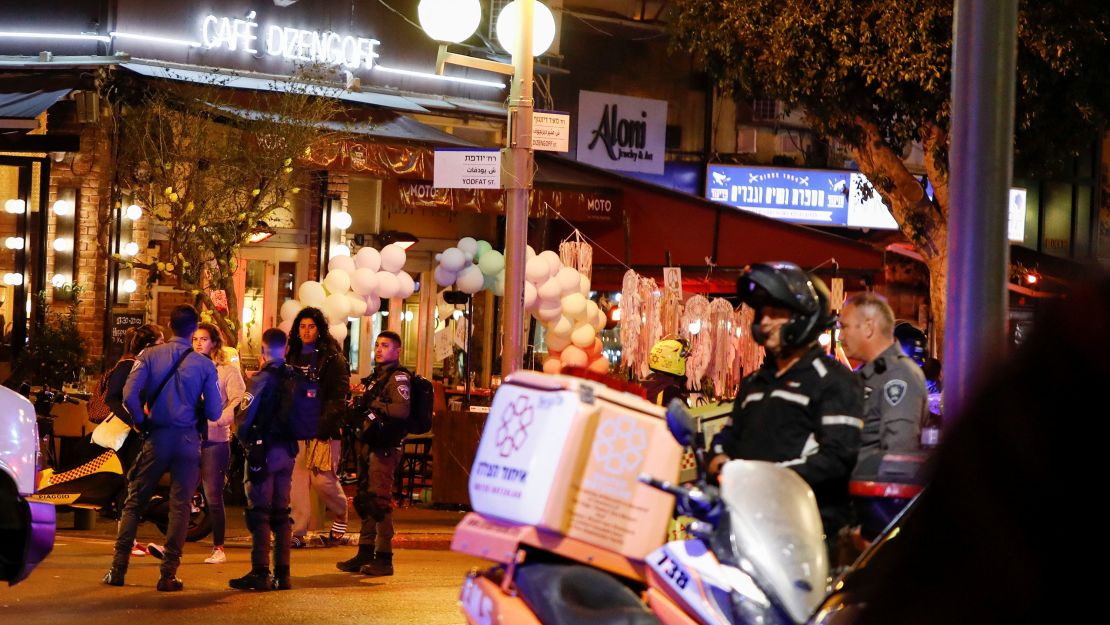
{"x": 894, "y": 393}
{"x": 383, "y": 411}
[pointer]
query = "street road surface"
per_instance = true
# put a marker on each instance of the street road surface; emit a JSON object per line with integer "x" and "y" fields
{"x": 66, "y": 588}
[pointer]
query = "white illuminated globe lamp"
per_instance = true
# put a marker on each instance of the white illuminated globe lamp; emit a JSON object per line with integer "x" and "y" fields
{"x": 133, "y": 212}
{"x": 128, "y": 286}
{"x": 13, "y": 243}
{"x": 59, "y": 280}
{"x": 543, "y": 27}
{"x": 340, "y": 249}
{"x": 341, "y": 220}
{"x": 15, "y": 206}
{"x": 130, "y": 249}
{"x": 63, "y": 244}
{"x": 449, "y": 20}
{"x": 63, "y": 208}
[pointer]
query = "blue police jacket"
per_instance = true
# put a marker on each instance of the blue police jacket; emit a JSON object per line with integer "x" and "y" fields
{"x": 175, "y": 406}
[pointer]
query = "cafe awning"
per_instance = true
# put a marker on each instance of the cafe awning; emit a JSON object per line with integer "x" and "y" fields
{"x": 20, "y": 110}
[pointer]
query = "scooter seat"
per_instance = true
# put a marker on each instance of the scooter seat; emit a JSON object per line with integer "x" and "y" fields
{"x": 571, "y": 594}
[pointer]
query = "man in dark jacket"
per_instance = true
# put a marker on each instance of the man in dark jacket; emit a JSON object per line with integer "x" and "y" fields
{"x": 801, "y": 409}
{"x": 264, "y": 429}
{"x": 386, "y": 407}
{"x": 171, "y": 379}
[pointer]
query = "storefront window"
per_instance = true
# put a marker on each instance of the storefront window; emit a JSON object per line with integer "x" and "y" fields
{"x": 253, "y": 312}
{"x": 21, "y": 256}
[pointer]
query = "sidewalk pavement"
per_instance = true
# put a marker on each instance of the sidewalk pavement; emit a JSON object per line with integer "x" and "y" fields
{"x": 415, "y": 527}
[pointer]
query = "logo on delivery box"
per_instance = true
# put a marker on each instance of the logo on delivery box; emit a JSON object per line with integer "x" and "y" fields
{"x": 513, "y": 431}
{"x": 620, "y": 445}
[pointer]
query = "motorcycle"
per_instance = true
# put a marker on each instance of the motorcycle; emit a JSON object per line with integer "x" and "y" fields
{"x": 97, "y": 480}
{"x": 576, "y": 523}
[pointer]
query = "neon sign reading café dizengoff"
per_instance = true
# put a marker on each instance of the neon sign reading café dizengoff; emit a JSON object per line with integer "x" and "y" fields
{"x": 293, "y": 44}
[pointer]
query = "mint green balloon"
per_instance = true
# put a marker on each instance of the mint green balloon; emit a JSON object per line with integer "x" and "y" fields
{"x": 483, "y": 247}
{"x": 491, "y": 263}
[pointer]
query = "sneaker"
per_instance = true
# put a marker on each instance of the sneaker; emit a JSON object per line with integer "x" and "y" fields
{"x": 218, "y": 556}
{"x": 255, "y": 580}
{"x": 114, "y": 577}
{"x": 156, "y": 550}
{"x": 298, "y": 542}
{"x": 170, "y": 584}
{"x": 137, "y": 550}
{"x": 331, "y": 540}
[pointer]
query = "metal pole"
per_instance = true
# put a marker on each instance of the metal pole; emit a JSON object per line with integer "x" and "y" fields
{"x": 984, "y": 50}
{"x": 518, "y": 182}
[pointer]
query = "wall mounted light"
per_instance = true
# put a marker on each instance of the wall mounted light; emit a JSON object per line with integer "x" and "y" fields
{"x": 63, "y": 208}
{"x": 13, "y": 243}
{"x": 261, "y": 232}
{"x": 133, "y": 212}
{"x": 128, "y": 286}
{"x": 341, "y": 220}
{"x": 63, "y": 263}
{"x": 340, "y": 249}
{"x": 13, "y": 279}
{"x": 60, "y": 280}
{"x": 15, "y": 206}
{"x": 63, "y": 244}
{"x": 393, "y": 237}
{"x": 129, "y": 249}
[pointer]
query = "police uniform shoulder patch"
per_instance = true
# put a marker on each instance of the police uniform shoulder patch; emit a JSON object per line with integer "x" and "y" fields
{"x": 403, "y": 390}
{"x": 894, "y": 391}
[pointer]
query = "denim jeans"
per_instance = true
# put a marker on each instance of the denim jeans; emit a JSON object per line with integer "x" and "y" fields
{"x": 214, "y": 460}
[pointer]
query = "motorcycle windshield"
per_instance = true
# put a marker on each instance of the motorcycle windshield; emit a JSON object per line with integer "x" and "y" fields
{"x": 776, "y": 526}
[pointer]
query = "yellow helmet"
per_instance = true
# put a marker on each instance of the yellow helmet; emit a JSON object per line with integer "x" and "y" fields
{"x": 669, "y": 356}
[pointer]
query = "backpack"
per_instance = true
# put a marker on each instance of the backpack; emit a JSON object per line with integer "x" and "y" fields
{"x": 421, "y": 400}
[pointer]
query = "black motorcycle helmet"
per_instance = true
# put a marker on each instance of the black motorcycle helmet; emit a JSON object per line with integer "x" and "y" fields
{"x": 787, "y": 285}
{"x": 914, "y": 342}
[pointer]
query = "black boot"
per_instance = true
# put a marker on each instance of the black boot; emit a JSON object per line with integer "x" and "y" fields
{"x": 257, "y": 579}
{"x": 281, "y": 578}
{"x": 114, "y": 576}
{"x": 382, "y": 566}
{"x": 364, "y": 556}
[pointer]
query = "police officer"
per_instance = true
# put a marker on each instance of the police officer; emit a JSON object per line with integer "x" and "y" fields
{"x": 269, "y": 470}
{"x": 800, "y": 409}
{"x": 894, "y": 392}
{"x": 172, "y": 378}
{"x": 384, "y": 411}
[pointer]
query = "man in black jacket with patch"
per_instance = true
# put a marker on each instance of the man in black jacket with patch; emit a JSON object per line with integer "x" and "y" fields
{"x": 801, "y": 409}
{"x": 384, "y": 411}
{"x": 264, "y": 430}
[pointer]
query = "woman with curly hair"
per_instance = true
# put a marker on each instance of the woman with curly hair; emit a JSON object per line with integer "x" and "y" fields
{"x": 320, "y": 400}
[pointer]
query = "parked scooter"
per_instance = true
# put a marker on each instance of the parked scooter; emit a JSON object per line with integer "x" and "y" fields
{"x": 587, "y": 545}
{"x": 97, "y": 481}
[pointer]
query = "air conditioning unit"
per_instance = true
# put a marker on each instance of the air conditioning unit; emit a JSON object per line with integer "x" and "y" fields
{"x": 747, "y": 141}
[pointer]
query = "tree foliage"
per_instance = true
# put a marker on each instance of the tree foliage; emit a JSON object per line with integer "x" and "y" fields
{"x": 876, "y": 76}
{"x": 212, "y": 166}
{"x": 56, "y": 353}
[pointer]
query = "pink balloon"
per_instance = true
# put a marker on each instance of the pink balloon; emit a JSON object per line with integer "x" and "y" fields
{"x": 594, "y": 350}
{"x": 599, "y": 365}
{"x": 552, "y": 365}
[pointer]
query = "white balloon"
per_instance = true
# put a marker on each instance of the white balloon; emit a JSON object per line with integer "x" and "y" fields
{"x": 600, "y": 321}
{"x": 552, "y": 260}
{"x": 290, "y": 309}
{"x": 453, "y": 259}
{"x": 574, "y": 306}
{"x": 561, "y": 326}
{"x": 572, "y": 356}
{"x": 368, "y": 258}
{"x": 373, "y": 304}
{"x": 470, "y": 280}
{"x": 536, "y": 270}
{"x": 364, "y": 281}
{"x": 568, "y": 278}
{"x": 444, "y": 276}
{"x": 491, "y": 263}
{"x": 336, "y": 307}
{"x": 531, "y": 297}
{"x": 529, "y": 253}
{"x": 388, "y": 285}
{"x": 550, "y": 313}
{"x": 583, "y": 336}
{"x": 557, "y": 343}
{"x": 408, "y": 285}
{"x": 592, "y": 311}
{"x": 311, "y": 293}
{"x": 583, "y": 284}
{"x": 393, "y": 258}
{"x": 286, "y": 326}
{"x": 337, "y": 281}
{"x": 550, "y": 290}
{"x": 342, "y": 263}
{"x": 356, "y": 306}
{"x": 468, "y": 245}
{"x": 338, "y": 331}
